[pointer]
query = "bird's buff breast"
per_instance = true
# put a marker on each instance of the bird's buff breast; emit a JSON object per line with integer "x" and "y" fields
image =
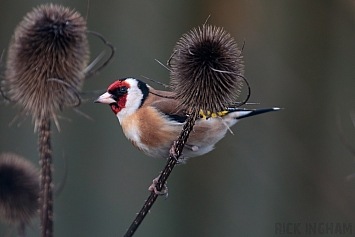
{"x": 151, "y": 134}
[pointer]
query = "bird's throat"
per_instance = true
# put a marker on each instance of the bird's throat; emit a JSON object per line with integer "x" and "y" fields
{"x": 121, "y": 104}
{"x": 115, "y": 108}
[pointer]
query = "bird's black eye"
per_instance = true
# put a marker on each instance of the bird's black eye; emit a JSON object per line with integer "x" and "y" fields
{"x": 123, "y": 89}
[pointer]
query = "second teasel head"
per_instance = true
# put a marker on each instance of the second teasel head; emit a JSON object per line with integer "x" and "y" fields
{"x": 19, "y": 189}
{"x": 46, "y": 58}
{"x": 206, "y": 69}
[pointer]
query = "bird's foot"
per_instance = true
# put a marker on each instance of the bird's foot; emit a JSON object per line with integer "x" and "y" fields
{"x": 153, "y": 188}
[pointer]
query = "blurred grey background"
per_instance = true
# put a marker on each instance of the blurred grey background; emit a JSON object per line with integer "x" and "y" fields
{"x": 284, "y": 167}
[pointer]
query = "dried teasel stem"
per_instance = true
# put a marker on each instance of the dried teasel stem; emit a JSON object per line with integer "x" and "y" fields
{"x": 46, "y": 194}
{"x": 22, "y": 230}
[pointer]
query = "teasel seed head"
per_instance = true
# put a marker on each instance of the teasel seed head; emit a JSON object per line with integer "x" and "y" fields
{"x": 46, "y": 59}
{"x": 206, "y": 69}
{"x": 19, "y": 189}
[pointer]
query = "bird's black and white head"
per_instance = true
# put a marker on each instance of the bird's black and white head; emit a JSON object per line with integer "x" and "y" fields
{"x": 125, "y": 96}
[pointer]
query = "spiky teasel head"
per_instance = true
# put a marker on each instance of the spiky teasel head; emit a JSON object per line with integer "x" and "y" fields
{"x": 206, "y": 69}
{"x": 46, "y": 59}
{"x": 19, "y": 189}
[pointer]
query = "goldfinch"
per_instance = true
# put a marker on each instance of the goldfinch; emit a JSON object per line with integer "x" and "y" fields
{"x": 152, "y": 119}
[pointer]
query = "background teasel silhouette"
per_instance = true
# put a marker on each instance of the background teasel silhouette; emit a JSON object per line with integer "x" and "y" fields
{"x": 19, "y": 190}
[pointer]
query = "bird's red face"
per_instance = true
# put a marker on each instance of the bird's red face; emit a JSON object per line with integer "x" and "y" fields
{"x": 116, "y": 96}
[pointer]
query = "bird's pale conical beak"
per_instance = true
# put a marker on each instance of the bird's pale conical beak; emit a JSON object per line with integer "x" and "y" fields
{"x": 105, "y": 98}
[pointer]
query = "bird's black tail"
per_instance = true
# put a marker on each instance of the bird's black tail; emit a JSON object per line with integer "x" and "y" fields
{"x": 243, "y": 113}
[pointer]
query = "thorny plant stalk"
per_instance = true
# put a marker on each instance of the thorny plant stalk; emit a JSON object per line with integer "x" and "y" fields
{"x": 46, "y": 194}
{"x": 173, "y": 158}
